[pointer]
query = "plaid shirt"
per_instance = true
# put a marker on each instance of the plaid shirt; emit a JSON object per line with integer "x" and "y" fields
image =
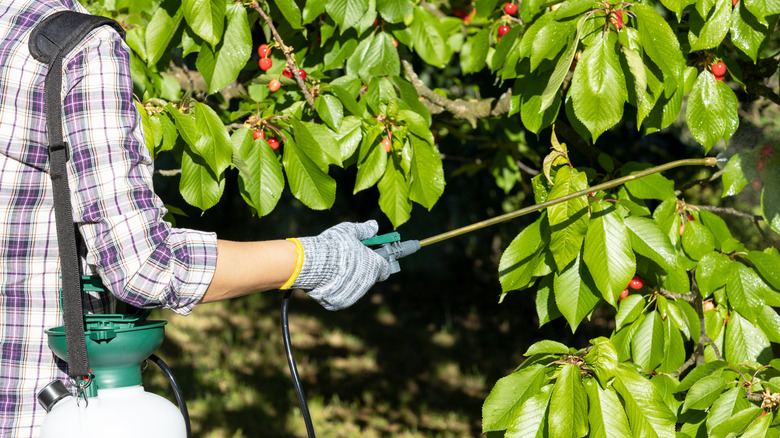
{"x": 141, "y": 259}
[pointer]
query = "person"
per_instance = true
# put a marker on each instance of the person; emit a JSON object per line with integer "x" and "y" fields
{"x": 140, "y": 258}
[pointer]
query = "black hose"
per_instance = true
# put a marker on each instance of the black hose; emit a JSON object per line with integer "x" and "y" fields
{"x": 294, "y": 369}
{"x": 176, "y": 391}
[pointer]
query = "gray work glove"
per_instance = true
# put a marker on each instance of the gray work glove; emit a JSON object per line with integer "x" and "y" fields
{"x": 337, "y": 268}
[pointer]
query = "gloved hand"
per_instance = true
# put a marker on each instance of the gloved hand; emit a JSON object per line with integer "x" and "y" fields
{"x": 337, "y": 268}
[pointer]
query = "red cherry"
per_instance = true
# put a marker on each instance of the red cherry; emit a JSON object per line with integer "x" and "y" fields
{"x": 510, "y": 8}
{"x": 757, "y": 184}
{"x": 719, "y": 69}
{"x": 471, "y": 15}
{"x": 707, "y": 306}
{"x": 617, "y": 19}
{"x": 720, "y": 78}
{"x": 395, "y": 42}
{"x": 273, "y": 143}
{"x": 287, "y": 73}
{"x": 265, "y": 63}
{"x": 502, "y": 30}
{"x": 263, "y": 50}
{"x": 636, "y": 283}
{"x": 760, "y": 164}
{"x": 624, "y": 294}
{"x": 302, "y": 73}
{"x": 767, "y": 151}
{"x": 274, "y": 85}
{"x": 734, "y": 2}
{"x": 460, "y": 13}
{"x": 690, "y": 217}
{"x": 387, "y": 144}
{"x": 258, "y": 134}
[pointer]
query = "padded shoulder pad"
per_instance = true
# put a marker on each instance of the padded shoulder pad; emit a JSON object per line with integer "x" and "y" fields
{"x": 60, "y": 32}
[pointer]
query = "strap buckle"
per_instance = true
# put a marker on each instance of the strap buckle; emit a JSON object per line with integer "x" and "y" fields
{"x": 81, "y": 388}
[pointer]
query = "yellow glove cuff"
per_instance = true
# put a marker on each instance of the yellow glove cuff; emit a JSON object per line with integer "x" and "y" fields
{"x": 298, "y": 264}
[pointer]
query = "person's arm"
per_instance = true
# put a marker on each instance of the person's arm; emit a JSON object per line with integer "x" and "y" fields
{"x": 248, "y": 267}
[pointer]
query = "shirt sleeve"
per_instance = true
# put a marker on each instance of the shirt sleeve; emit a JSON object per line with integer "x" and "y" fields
{"x": 140, "y": 257}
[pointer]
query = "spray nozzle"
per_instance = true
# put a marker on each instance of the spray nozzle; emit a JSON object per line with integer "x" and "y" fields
{"x": 392, "y": 248}
{"x": 723, "y": 159}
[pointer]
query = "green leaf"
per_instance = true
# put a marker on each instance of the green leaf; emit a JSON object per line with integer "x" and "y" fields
{"x": 770, "y": 195}
{"x": 568, "y": 415}
{"x": 530, "y": 88}
{"x": 763, "y": 8}
{"x": 427, "y": 173}
{"x": 608, "y": 255}
{"x": 198, "y": 185}
{"x": 221, "y": 66}
{"x": 602, "y": 359}
{"x": 330, "y": 110}
{"x": 372, "y": 165}
{"x": 416, "y": 123}
{"x": 349, "y": 136}
{"x": 146, "y": 123}
{"x": 261, "y": 186}
{"x": 598, "y": 87}
{"x": 712, "y": 111}
{"x": 313, "y": 10}
{"x": 551, "y": 91}
{"x": 342, "y": 87}
{"x": 135, "y": 38}
{"x": 346, "y": 13}
{"x": 206, "y": 18}
{"x": 549, "y": 40}
{"x": 430, "y": 41}
{"x": 738, "y": 423}
{"x": 747, "y": 31}
{"x": 375, "y": 56}
{"x": 629, "y": 310}
{"x": 758, "y": 428}
{"x": 519, "y": 260}
{"x": 647, "y": 345}
{"x": 649, "y": 240}
{"x": 714, "y": 29}
{"x": 743, "y": 288}
{"x": 546, "y": 347}
{"x": 697, "y": 241}
{"x": 658, "y": 41}
{"x": 729, "y": 403}
{"x": 654, "y": 186}
{"x": 606, "y": 415}
{"x": 474, "y": 52}
{"x": 745, "y": 342}
{"x": 647, "y": 413}
{"x": 568, "y": 220}
{"x": 700, "y": 372}
{"x": 291, "y": 12}
{"x": 633, "y": 59}
{"x": 502, "y": 406}
{"x": 532, "y": 418}
{"x": 713, "y": 272}
{"x": 691, "y": 320}
{"x": 573, "y": 8}
{"x": 768, "y": 266}
{"x": 704, "y": 392}
{"x": 212, "y": 142}
{"x": 394, "y": 194}
{"x": 161, "y": 28}
{"x": 317, "y": 142}
{"x": 394, "y": 11}
{"x": 575, "y": 293}
{"x": 673, "y": 348}
{"x": 717, "y": 227}
{"x": 740, "y": 170}
{"x": 308, "y": 181}
{"x": 546, "y": 309}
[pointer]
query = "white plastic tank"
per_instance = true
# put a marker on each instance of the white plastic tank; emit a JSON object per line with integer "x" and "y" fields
{"x": 128, "y": 412}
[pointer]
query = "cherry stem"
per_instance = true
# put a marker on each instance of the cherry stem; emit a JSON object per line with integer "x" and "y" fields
{"x": 286, "y": 50}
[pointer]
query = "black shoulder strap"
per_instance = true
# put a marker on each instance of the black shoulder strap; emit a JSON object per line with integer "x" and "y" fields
{"x": 50, "y": 41}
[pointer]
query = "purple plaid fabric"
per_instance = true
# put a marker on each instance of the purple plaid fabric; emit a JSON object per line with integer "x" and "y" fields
{"x": 141, "y": 259}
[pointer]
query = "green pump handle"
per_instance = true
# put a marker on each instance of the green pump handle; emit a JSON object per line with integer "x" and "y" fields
{"x": 391, "y": 248}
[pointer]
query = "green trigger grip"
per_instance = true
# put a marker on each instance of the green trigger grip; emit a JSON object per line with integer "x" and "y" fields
{"x": 382, "y": 239}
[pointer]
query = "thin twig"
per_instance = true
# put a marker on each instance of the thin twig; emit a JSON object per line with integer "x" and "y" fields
{"x": 287, "y": 53}
{"x": 689, "y": 297}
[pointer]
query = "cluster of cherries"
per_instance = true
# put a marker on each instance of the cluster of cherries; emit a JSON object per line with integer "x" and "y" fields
{"x": 273, "y": 142}
{"x": 266, "y": 63}
{"x": 635, "y": 283}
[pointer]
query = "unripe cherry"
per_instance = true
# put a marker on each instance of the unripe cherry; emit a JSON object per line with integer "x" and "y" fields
{"x": 386, "y": 144}
{"x": 274, "y": 85}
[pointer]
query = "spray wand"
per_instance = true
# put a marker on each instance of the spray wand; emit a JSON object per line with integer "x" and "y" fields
{"x": 391, "y": 248}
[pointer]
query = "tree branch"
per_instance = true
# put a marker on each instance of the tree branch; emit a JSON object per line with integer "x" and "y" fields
{"x": 741, "y": 214}
{"x": 689, "y": 297}
{"x": 287, "y": 53}
{"x": 470, "y": 111}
